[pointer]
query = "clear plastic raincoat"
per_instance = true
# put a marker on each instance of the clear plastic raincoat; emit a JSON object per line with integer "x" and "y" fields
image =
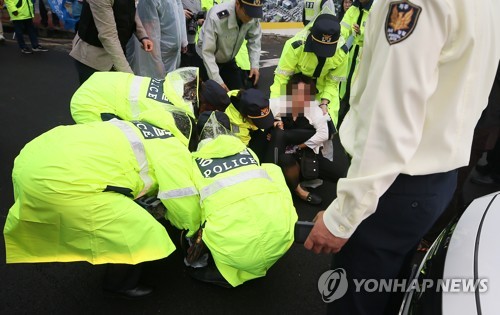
{"x": 165, "y": 24}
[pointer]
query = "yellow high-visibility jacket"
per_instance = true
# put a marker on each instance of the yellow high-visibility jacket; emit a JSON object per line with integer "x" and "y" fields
{"x": 126, "y": 96}
{"x": 74, "y": 189}
{"x": 25, "y": 9}
{"x": 295, "y": 60}
{"x": 246, "y": 208}
{"x": 240, "y": 126}
{"x": 351, "y": 17}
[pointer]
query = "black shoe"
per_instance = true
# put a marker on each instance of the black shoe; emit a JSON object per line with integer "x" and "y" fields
{"x": 138, "y": 292}
{"x": 484, "y": 169}
{"x": 26, "y": 50}
{"x": 209, "y": 274}
{"x": 488, "y": 179}
{"x": 40, "y": 48}
{"x": 313, "y": 199}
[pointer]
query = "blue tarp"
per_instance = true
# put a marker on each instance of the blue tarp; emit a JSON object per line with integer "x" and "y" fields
{"x": 60, "y": 8}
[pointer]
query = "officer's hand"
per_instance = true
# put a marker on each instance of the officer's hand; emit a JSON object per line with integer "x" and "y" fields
{"x": 15, "y": 13}
{"x": 355, "y": 28}
{"x": 184, "y": 49}
{"x": 200, "y": 22}
{"x": 320, "y": 240}
{"x": 188, "y": 14}
{"x": 254, "y": 73}
{"x": 224, "y": 86}
{"x": 147, "y": 45}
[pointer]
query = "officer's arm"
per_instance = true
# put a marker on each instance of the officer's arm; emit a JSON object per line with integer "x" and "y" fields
{"x": 11, "y": 5}
{"x": 208, "y": 48}
{"x": 332, "y": 87}
{"x": 347, "y": 21}
{"x": 102, "y": 11}
{"x": 177, "y": 191}
{"x": 286, "y": 68}
{"x": 92, "y": 99}
{"x": 253, "y": 38}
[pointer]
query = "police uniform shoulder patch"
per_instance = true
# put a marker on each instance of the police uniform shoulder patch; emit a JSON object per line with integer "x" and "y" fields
{"x": 401, "y": 20}
{"x": 223, "y": 14}
{"x": 296, "y": 44}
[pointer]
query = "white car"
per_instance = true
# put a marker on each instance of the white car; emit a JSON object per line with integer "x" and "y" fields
{"x": 460, "y": 273}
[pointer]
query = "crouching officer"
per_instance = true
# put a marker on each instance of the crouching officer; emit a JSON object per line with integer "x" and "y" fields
{"x": 84, "y": 209}
{"x": 126, "y": 95}
{"x": 226, "y": 27}
{"x": 318, "y": 52}
{"x": 247, "y": 213}
{"x": 122, "y": 95}
{"x": 248, "y": 112}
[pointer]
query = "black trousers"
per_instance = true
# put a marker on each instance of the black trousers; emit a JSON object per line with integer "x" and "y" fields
{"x": 84, "y": 71}
{"x": 120, "y": 277}
{"x": 233, "y": 76}
{"x": 383, "y": 245}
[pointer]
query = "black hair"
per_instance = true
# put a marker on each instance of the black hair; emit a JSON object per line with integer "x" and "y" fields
{"x": 300, "y": 78}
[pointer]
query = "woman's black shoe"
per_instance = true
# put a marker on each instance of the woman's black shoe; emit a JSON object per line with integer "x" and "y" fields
{"x": 313, "y": 199}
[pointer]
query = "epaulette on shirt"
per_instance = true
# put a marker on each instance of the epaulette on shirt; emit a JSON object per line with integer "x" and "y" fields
{"x": 296, "y": 44}
{"x": 223, "y": 14}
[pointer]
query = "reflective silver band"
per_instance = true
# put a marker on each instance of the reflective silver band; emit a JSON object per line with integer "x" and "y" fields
{"x": 139, "y": 152}
{"x": 214, "y": 187}
{"x": 134, "y": 96}
{"x": 287, "y": 73}
{"x": 177, "y": 193}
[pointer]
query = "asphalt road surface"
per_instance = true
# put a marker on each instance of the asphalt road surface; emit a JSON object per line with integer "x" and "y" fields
{"x": 35, "y": 91}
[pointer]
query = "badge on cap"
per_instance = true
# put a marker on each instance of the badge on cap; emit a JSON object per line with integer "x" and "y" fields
{"x": 326, "y": 38}
{"x": 401, "y": 20}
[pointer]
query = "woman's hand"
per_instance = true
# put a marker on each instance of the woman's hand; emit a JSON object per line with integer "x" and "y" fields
{"x": 324, "y": 108}
{"x": 278, "y": 124}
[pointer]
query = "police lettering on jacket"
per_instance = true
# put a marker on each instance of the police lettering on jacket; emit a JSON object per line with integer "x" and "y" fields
{"x": 213, "y": 167}
{"x": 151, "y": 132}
{"x": 155, "y": 91}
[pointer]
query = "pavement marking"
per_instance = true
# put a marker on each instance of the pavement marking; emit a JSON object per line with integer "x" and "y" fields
{"x": 269, "y": 63}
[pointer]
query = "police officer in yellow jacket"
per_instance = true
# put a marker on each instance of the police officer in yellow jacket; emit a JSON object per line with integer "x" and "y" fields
{"x": 318, "y": 52}
{"x": 353, "y": 27}
{"x": 247, "y": 212}
{"x": 127, "y": 95}
{"x": 21, "y": 14}
{"x": 74, "y": 192}
{"x": 248, "y": 112}
{"x": 311, "y": 9}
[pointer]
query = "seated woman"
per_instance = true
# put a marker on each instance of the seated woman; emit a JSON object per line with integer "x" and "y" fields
{"x": 301, "y": 125}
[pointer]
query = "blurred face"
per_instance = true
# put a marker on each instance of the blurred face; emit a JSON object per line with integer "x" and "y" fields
{"x": 301, "y": 98}
{"x": 240, "y": 12}
{"x": 347, "y": 4}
